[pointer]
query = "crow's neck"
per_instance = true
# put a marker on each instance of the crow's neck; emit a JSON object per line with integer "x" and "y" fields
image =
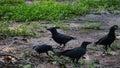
{"x": 111, "y": 32}
{"x": 54, "y": 32}
{"x": 84, "y": 47}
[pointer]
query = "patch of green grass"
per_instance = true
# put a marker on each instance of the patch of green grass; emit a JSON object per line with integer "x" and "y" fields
{"x": 90, "y": 26}
{"x": 94, "y": 49}
{"x": 9, "y": 31}
{"x": 60, "y": 24}
{"x": 27, "y": 66}
{"x": 37, "y": 28}
{"x": 104, "y": 3}
{"x": 11, "y": 2}
{"x": 19, "y": 30}
{"x": 99, "y": 5}
{"x": 44, "y": 10}
{"x": 87, "y": 63}
{"x": 60, "y": 60}
{"x": 66, "y": 60}
{"x": 50, "y": 9}
{"x": 116, "y": 44}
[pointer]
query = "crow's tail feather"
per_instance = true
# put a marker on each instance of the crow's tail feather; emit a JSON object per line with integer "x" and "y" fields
{"x": 74, "y": 38}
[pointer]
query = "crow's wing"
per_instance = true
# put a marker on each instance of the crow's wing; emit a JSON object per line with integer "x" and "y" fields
{"x": 71, "y": 53}
{"x": 66, "y": 51}
{"x": 62, "y": 53}
{"x": 103, "y": 39}
{"x": 66, "y": 37}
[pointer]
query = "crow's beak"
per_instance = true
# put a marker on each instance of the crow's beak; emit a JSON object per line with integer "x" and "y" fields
{"x": 48, "y": 29}
{"x": 116, "y": 27}
{"x": 33, "y": 47}
{"x": 89, "y": 42}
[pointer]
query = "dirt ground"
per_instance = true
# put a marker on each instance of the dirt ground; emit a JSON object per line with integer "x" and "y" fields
{"x": 22, "y": 49}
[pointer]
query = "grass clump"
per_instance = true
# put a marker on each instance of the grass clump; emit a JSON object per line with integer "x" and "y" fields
{"x": 90, "y": 26}
{"x": 60, "y": 24}
{"x": 99, "y": 5}
{"x": 116, "y": 44}
{"x": 45, "y": 10}
{"x": 19, "y": 30}
{"x": 104, "y": 3}
{"x": 11, "y": 2}
{"x": 50, "y": 9}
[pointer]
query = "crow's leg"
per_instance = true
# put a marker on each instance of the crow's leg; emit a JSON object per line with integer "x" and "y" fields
{"x": 77, "y": 60}
{"x": 105, "y": 49}
{"x": 109, "y": 46}
{"x": 47, "y": 53}
{"x": 59, "y": 46}
{"x": 63, "y": 45}
{"x": 73, "y": 60}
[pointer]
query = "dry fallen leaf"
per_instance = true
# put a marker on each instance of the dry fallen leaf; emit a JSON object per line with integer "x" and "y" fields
{"x": 7, "y": 58}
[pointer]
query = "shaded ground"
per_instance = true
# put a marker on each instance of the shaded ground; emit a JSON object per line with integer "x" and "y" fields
{"x": 22, "y": 49}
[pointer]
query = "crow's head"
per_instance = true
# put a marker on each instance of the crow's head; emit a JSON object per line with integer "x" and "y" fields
{"x": 50, "y": 48}
{"x": 47, "y": 47}
{"x": 114, "y": 27}
{"x": 34, "y": 46}
{"x": 85, "y": 43}
{"x": 53, "y": 28}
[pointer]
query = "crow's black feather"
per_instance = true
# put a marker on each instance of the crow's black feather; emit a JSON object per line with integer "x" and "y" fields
{"x": 42, "y": 48}
{"x": 60, "y": 38}
{"x": 75, "y": 53}
{"x": 108, "y": 39}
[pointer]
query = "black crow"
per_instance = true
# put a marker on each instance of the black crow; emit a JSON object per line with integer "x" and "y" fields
{"x": 58, "y": 37}
{"x": 75, "y": 53}
{"x": 42, "y": 48}
{"x": 108, "y": 39}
